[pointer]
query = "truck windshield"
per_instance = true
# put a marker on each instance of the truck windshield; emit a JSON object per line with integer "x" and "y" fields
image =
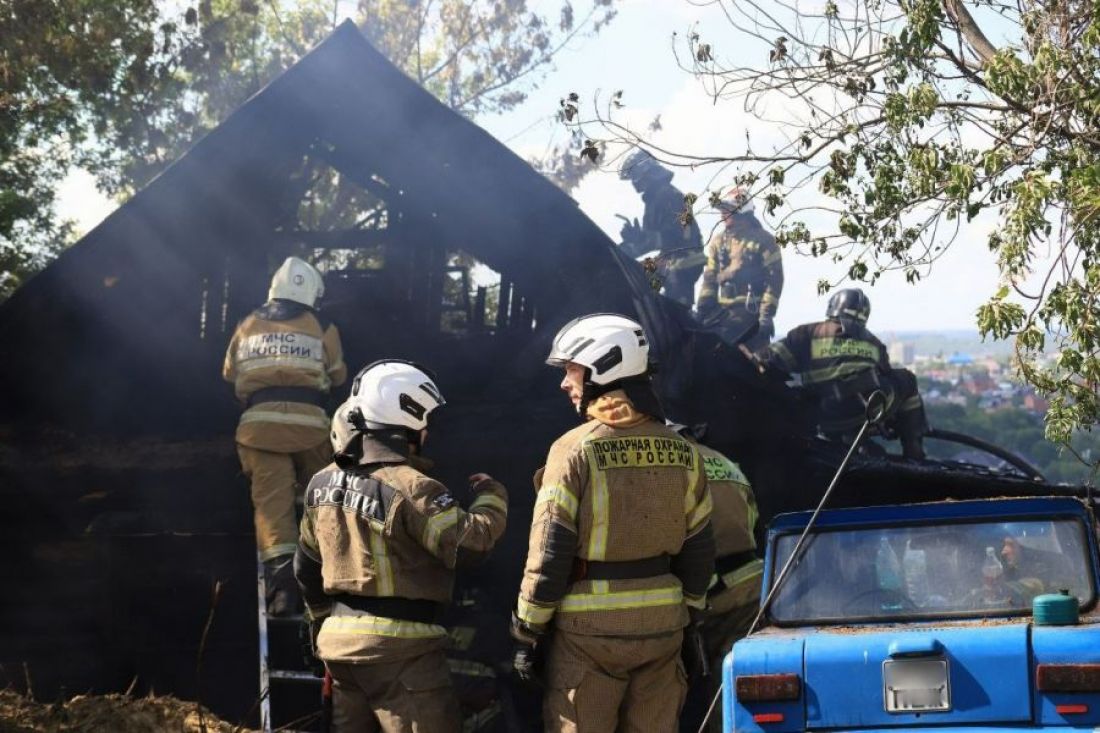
{"x": 941, "y": 571}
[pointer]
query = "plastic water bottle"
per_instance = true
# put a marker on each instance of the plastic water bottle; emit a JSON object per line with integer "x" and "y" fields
{"x": 915, "y": 563}
{"x": 887, "y": 566}
{"x": 992, "y": 572}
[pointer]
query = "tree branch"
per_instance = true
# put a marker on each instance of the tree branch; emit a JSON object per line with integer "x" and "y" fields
{"x": 970, "y": 30}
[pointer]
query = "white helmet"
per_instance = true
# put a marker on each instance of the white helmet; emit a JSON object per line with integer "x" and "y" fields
{"x": 395, "y": 393}
{"x": 612, "y": 347}
{"x": 297, "y": 280}
{"x": 346, "y": 427}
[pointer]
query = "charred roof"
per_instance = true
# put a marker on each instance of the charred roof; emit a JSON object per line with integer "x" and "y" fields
{"x": 137, "y": 313}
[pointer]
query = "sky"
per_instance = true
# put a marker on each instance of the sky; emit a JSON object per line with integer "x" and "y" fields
{"x": 634, "y": 54}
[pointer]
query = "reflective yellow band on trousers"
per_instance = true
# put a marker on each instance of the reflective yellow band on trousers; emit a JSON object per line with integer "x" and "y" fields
{"x": 368, "y": 625}
{"x": 285, "y": 418}
{"x": 560, "y": 495}
{"x": 490, "y": 500}
{"x": 533, "y": 614}
{"x": 621, "y": 600}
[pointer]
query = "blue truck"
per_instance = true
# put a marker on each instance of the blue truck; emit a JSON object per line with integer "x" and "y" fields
{"x": 968, "y": 615}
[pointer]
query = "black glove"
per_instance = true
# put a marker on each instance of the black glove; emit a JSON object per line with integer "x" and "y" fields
{"x": 693, "y": 651}
{"x": 307, "y": 641}
{"x": 527, "y": 656}
{"x": 527, "y": 663}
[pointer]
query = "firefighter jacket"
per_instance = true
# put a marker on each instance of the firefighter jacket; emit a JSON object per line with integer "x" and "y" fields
{"x": 836, "y": 359}
{"x": 744, "y": 270}
{"x": 382, "y": 529}
{"x": 826, "y": 351}
{"x": 620, "y": 490}
{"x": 664, "y": 229}
{"x": 283, "y": 344}
{"x": 737, "y": 570}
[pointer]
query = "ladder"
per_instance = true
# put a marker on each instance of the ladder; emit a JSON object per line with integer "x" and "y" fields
{"x": 284, "y": 626}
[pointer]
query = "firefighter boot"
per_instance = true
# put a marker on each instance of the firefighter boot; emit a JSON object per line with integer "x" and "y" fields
{"x": 282, "y": 589}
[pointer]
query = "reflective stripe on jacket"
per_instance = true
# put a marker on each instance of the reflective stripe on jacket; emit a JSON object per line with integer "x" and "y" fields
{"x": 269, "y": 349}
{"x": 734, "y": 520}
{"x": 387, "y": 530}
{"x": 745, "y": 268}
{"x": 828, "y": 350}
{"x": 613, "y": 494}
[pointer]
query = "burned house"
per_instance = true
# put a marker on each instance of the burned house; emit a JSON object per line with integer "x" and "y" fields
{"x": 439, "y": 245}
{"x": 127, "y": 533}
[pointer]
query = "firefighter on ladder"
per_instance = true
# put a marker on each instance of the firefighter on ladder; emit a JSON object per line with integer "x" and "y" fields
{"x": 282, "y": 360}
{"x": 377, "y": 554}
{"x": 621, "y": 550}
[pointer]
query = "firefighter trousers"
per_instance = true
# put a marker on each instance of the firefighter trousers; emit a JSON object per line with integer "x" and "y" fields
{"x": 608, "y": 684}
{"x": 413, "y": 695}
{"x": 275, "y": 479}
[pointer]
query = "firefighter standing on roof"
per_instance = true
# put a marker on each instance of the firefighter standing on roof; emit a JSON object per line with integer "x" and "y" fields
{"x": 665, "y": 227}
{"x": 734, "y": 594}
{"x": 282, "y": 360}
{"x": 743, "y": 277}
{"x": 621, "y": 550}
{"x": 376, "y": 560}
{"x": 841, "y": 360}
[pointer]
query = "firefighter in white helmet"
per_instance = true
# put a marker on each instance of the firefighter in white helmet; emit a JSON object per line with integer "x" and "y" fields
{"x": 282, "y": 360}
{"x": 621, "y": 549}
{"x": 377, "y": 553}
{"x": 743, "y": 277}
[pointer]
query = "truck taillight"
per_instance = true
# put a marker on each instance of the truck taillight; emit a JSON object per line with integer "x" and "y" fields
{"x": 767, "y": 687}
{"x": 1067, "y": 677}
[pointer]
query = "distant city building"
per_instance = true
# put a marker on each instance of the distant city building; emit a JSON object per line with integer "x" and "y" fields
{"x": 1035, "y": 403}
{"x": 902, "y": 353}
{"x": 959, "y": 359}
{"x": 978, "y": 383}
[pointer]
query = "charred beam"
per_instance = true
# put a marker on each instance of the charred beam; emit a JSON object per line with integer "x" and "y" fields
{"x": 338, "y": 239}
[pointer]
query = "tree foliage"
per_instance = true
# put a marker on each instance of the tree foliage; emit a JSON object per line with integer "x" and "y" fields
{"x": 911, "y": 123}
{"x": 477, "y": 56}
{"x": 58, "y": 62}
{"x": 124, "y": 87}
